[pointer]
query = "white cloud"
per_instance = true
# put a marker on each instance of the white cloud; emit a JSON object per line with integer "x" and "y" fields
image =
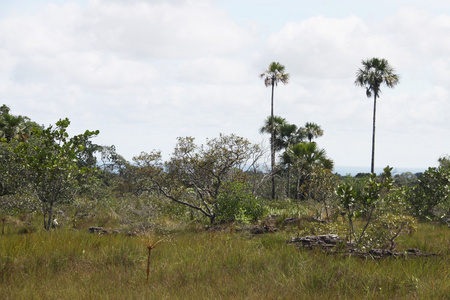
{"x": 161, "y": 29}
{"x": 322, "y": 54}
{"x": 320, "y": 47}
{"x": 145, "y": 72}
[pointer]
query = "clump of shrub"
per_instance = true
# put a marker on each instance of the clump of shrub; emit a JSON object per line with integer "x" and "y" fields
{"x": 236, "y": 202}
{"x": 430, "y": 198}
{"x": 374, "y": 213}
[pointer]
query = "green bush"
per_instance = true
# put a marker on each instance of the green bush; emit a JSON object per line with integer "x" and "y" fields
{"x": 430, "y": 198}
{"x": 236, "y": 203}
{"x": 380, "y": 209}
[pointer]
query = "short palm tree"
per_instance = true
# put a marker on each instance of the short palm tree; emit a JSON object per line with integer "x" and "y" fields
{"x": 306, "y": 157}
{"x": 286, "y": 134}
{"x": 278, "y": 124}
{"x": 14, "y": 127}
{"x": 272, "y": 76}
{"x": 373, "y": 73}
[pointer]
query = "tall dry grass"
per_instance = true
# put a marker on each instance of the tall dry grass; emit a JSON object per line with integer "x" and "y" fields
{"x": 66, "y": 264}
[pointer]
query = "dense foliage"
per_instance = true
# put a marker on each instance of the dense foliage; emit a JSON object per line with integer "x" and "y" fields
{"x": 222, "y": 181}
{"x": 430, "y": 198}
{"x": 195, "y": 175}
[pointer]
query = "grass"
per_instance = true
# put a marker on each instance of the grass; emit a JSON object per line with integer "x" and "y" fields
{"x": 193, "y": 264}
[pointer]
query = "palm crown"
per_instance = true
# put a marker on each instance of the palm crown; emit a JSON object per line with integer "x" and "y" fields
{"x": 312, "y": 130}
{"x": 274, "y": 74}
{"x": 374, "y": 72}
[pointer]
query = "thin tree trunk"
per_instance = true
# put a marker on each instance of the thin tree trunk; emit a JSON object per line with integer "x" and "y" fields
{"x": 50, "y": 215}
{"x": 272, "y": 143}
{"x": 148, "y": 261}
{"x": 367, "y": 224}
{"x": 44, "y": 212}
{"x": 288, "y": 184}
{"x": 212, "y": 219}
{"x": 352, "y": 230}
{"x": 3, "y": 225}
{"x": 372, "y": 166}
{"x": 297, "y": 193}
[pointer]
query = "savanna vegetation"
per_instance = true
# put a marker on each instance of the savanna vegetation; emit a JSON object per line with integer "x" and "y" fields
{"x": 78, "y": 221}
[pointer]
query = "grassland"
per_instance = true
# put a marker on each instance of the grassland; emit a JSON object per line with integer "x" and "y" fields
{"x": 194, "y": 264}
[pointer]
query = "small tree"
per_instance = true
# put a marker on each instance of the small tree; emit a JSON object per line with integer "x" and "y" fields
{"x": 321, "y": 190}
{"x": 430, "y": 198}
{"x": 52, "y": 165}
{"x": 382, "y": 221}
{"x": 195, "y": 175}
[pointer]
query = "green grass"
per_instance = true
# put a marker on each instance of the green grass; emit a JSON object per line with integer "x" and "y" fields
{"x": 192, "y": 264}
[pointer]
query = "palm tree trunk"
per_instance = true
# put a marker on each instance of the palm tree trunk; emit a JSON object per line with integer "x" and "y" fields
{"x": 272, "y": 143}
{"x": 372, "y": 166}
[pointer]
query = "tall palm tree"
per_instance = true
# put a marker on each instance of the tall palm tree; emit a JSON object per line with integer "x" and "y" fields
{"x": 373, "y": 73}
{"x": 312, "y": 130}
{"x": 273, "y": 75}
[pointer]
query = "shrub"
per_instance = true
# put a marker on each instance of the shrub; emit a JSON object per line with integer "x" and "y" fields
{"x": 236, "y": 203}
{"x": 382, "y": 211}
{"x": 430, "y": 198}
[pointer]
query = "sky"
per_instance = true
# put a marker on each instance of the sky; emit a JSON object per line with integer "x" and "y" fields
{"x": 145, "y": 72}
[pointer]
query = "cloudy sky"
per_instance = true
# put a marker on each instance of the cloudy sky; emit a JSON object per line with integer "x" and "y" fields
{"x": 145, "y": 72}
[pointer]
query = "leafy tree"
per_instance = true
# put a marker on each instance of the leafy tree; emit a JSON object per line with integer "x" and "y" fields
{"x": 52, "y": 165}
{"x": 195, "y": 175}
{"x": 112, "y": 167}
{"x": 407, "y": 179}
{"x": 373, "y": 73}
{"x": 363, "y": 200}
{"x": 444, "y": 162}
{"x": 321, "y": 190}
{"x": 381, "y": 208}
{"x": 272, "y": 76}
{"x": 110, "y": 160}
{"x": 430, "y": 198}
{"x": 312, "y": 130}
